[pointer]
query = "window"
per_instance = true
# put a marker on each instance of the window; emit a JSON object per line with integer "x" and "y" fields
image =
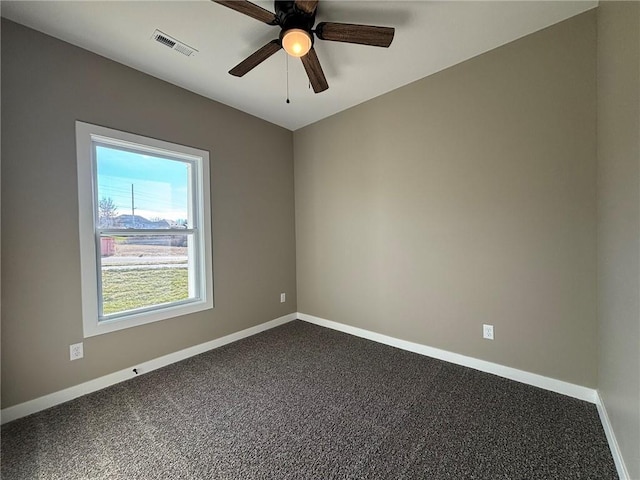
{"x": 145, "y": 229}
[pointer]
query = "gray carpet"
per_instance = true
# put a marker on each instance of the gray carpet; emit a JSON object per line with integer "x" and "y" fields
{"x": 304, "y": 402}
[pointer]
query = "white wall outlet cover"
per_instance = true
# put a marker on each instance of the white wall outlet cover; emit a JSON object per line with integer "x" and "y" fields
{"x": 487, "y": 331}
{"x": 76, "y": 351}
{"x": 283, "y": 297}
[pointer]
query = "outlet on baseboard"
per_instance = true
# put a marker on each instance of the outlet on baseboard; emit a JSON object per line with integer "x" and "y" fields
{"x": 283, "y": 297}
{"x": 487, "y": 331}
{"x": 76, "y": 351}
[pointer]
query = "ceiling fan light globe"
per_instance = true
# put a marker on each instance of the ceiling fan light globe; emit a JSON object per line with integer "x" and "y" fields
{"x": 296, "y": 42}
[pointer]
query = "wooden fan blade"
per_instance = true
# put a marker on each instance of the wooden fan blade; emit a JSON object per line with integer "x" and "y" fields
{"x": 350, "y": 33}
{"x": 307, "y": 6}
{"x": 256, "y": 58}
{"x": 314, "y": 71}
{"x": 250, "y": 9}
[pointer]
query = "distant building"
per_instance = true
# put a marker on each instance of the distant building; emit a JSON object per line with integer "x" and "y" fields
{"x": 136, "y": 221}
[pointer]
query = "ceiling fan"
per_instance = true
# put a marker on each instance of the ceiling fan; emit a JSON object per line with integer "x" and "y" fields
{"x": 296, "y": 20}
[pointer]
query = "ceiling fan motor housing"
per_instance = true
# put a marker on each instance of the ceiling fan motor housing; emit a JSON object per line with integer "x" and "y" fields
{"x": 289, "y": 16}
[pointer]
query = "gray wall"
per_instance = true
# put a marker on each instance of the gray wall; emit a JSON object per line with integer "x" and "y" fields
{"x": 619, "y": 222}
{"x": 465, "y": 198}
{"x": 46, "y": 86}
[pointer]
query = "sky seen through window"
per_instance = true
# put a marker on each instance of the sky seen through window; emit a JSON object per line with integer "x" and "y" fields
{"x": 160, "y": 185}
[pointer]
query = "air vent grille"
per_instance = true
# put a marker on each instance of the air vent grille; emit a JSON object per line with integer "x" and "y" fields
{"x": 165, "y": 41}
{"x": 174, "y": 44}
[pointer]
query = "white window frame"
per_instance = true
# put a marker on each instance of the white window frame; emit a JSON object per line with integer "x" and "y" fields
{"x": 86, "y": 135}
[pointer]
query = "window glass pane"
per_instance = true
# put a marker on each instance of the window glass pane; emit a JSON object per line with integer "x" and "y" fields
{"x": 144, "y": 271}
{"x": 136, "y": 190}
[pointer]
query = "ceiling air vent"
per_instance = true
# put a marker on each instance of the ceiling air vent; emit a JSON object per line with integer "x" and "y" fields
{"x": 177, "y": 45}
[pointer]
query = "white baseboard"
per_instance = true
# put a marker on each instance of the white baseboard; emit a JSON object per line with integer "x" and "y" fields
{"x": 55, "y": 398}
{"x": 623, "y": 473}
{"x": 558, "y": 386}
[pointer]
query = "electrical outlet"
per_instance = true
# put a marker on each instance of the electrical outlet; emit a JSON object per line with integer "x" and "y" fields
{"x": 283, "y": 297}
{"x": 76, "y": 351}
{"x": 487, "y": 331}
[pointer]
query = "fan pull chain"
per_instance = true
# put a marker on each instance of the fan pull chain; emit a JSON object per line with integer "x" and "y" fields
{"x": 287, "y": 60}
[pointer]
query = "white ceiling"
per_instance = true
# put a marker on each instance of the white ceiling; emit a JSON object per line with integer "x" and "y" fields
{"x": 430, "y": 36}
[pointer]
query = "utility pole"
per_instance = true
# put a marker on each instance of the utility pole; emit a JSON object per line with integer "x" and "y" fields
{"x": 133, "y": 218}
